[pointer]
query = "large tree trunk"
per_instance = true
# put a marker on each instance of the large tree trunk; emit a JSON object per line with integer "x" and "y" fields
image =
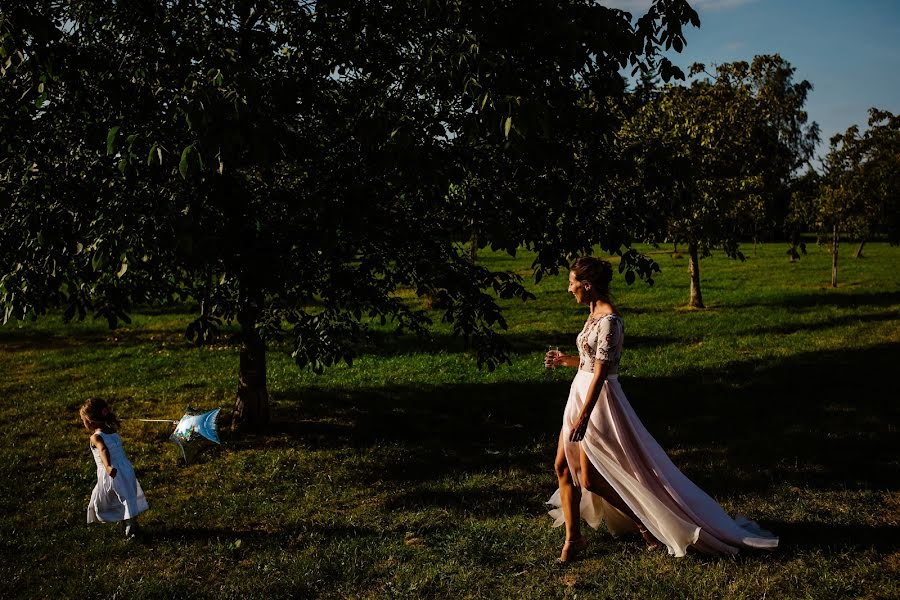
{"x": 834, "y": 257}
{"x": 696, "y": 300}
{"x": 859, "y": 250}
{"x": 251, "y": 407}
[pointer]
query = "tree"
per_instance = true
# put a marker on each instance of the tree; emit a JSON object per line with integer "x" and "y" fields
{"x": 860, "y": 193}
{"x": 289, "y": 165}
{"x": 647, "y": 87}
{"x": 697, "y": 166}
{"x": 714, "y": 158}
{"x": 786, "y": 138}
{"x": 804, "y": 191}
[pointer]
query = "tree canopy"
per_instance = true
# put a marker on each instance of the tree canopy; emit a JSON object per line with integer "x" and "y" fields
{"x": 289, "y": 165}
{"x": 709, "y": 158}
{"x": 859, "y": 194}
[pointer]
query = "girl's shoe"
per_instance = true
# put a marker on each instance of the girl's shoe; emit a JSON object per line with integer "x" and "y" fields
{"x": 573, "y": 549}
{"x": 131, "y": 529}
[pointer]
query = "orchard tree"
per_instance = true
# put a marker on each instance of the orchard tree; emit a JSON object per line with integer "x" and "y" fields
{"x": 696, "y": 165}
{"x": 291, "y": 165}
{"x": 860, "y": 193}
{"x": 804, "y": 191}
{"x": 711, "y": 158}
{"x": 786, "y": 137}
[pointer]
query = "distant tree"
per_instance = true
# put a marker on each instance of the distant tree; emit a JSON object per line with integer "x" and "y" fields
{"x": 804, "y": 190}
{"x": 697, "y": 165}
{"x": 786, "y": 137}
{"x": 860, "y": 193}
{"x": 290, "y": 165}
{"x": 647, "y": 86}
{"x": 715, "y": 160}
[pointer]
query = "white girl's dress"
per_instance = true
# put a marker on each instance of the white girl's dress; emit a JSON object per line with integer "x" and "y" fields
{"x": 670, "y": 505}
{"x": 119, "y": 498}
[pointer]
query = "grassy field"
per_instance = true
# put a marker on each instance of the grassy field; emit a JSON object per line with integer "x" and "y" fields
{"x": 412, "y": 474}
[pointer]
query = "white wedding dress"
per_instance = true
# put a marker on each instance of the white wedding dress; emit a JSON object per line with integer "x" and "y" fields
{"x": 669, "y": 504}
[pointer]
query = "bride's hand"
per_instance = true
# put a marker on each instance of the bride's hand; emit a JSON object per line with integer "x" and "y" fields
{"x": 580, "y": 427}
{"x": 553, "y": 359}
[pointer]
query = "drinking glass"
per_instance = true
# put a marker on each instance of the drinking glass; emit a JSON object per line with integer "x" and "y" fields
{"x": 554, "y": 352}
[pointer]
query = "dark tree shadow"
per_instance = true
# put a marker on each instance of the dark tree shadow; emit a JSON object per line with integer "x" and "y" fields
{"x": 389, "y": 344}
{"x": 13, "y": 339}
{"x": 280, "y": 535}
{"x": 822, "y": 420}
{"x": 807, "y": 535}
{"x": 825, "y": 298}
{"x": 789, "y": 328}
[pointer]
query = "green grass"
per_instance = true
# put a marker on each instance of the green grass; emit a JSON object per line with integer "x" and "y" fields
{"x": 412, "y": 474}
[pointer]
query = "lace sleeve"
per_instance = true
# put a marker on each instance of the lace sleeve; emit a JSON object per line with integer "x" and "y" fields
{"x": 606, "y": 340}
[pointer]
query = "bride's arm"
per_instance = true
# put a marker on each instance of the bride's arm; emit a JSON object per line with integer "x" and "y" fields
{"x": 560, "y": 360}
{"x": 565, "y": 360}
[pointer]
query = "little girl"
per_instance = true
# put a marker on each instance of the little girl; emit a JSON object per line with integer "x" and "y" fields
{"x": 118, "y": 495}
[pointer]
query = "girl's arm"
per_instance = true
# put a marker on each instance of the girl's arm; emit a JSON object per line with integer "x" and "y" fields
{"x": 593, "y": 394}
{"x": 97, "y": 441}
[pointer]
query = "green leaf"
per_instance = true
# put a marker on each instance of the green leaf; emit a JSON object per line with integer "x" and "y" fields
{"x": 98, "y": 261}
{"x": 153, "y": 150}
{"x": 122, "y": 269}
{"x": 184, "y": 164}
{"x": 111, "y": 139}
{"x": 506, "y": 126}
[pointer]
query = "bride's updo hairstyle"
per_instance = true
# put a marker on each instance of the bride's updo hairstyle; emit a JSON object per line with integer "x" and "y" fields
{"x": 596, "y": 272}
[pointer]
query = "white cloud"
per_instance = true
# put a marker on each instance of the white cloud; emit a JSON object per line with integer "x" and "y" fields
{"x": 735, "y": 46}
{"x": 699, "y": 5}
{"x": 636, "y": 7}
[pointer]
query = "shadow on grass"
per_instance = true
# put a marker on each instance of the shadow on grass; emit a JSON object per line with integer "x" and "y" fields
{"x": 827, "y": 297}
{"x": 820, "y": 420}
{"x": 280, "y": 535}
{"x": 389, "y": 344}
{"x": 820, "y": 325}
{"x": 817, "y": 535}
{"x": 382, "y": 343}
{"x": 25, "y": 339}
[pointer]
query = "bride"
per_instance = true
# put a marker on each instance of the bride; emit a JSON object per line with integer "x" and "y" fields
{"x": 604, "y": 449}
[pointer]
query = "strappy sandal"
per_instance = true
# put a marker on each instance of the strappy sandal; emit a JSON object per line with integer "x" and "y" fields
{"x": 649, "y": 538}
{"x": 573, "y": 549}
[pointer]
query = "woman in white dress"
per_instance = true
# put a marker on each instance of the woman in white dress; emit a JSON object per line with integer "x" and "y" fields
{"x": 609, "y": 467}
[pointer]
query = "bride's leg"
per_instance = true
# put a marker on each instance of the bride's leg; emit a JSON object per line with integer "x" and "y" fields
{"x": 569, "y": 493}
{"x": 595, "y": 483}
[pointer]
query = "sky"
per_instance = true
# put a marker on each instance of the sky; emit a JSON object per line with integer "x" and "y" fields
{"x": 848, "y": 49}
